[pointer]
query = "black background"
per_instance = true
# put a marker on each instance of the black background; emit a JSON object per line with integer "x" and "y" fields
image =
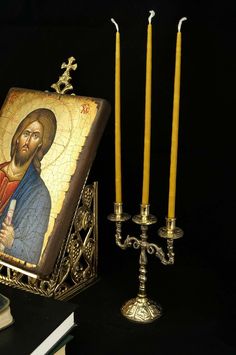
{"x": 198, "y": 292}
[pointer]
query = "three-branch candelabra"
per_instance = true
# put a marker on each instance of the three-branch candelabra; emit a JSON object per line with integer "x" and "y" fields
{"x": 141, "y": 308}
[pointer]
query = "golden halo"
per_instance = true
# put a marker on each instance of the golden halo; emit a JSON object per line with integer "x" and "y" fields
{"x": 17, "y": 113}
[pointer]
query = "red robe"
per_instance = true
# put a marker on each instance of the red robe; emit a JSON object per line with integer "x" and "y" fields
{"x": 7, "y": 188}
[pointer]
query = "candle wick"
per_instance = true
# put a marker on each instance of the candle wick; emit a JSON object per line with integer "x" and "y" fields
{"x": 113, "y": 21}
{"x": 152, "y": 14}
{"x": 180, "y": 23}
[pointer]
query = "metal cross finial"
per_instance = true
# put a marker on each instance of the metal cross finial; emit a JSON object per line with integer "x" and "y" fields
{"x": 63, "y": 85}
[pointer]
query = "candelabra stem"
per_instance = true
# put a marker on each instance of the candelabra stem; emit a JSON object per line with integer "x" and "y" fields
{"x": 143, "y": 263}
{"x": 141, "y": 309}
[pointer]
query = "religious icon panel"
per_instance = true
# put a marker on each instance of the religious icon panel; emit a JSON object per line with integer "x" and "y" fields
{"x": 47, "y": 144}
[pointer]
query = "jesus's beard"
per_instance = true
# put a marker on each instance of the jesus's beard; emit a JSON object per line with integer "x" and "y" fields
{"x": 22, "y": 159}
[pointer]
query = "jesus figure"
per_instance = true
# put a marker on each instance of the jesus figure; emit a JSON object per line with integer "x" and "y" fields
{"x": 20, "y": 180}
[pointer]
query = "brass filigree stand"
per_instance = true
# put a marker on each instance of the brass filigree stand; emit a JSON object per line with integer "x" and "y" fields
{"x": 76, "y": 265}
{"x": 141, "y": 309}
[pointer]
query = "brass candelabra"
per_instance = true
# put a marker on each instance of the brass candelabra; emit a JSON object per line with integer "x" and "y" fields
{"x": 141, "y": 308}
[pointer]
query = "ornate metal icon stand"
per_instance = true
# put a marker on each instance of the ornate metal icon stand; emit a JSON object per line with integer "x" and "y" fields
{"x": 141, "y": 308}
{"x": 76, "y": 264}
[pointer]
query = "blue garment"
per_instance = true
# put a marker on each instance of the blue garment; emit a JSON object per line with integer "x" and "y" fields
{"x": 30, "y": 220}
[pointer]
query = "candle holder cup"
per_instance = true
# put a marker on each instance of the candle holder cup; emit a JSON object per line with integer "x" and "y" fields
{"x": 141, "y": 309}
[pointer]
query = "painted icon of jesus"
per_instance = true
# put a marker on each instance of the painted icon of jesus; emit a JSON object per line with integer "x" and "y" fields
{"x": 22, "y": 235}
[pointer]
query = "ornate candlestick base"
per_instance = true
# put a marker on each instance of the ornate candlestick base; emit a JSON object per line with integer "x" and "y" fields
{"x": 141, "y": 309}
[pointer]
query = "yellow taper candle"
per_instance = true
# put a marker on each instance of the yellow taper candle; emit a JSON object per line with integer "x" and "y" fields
{"x": 118, "y": 198}
{"x": 148, "y": 99}
{"x": 175, "y": 125}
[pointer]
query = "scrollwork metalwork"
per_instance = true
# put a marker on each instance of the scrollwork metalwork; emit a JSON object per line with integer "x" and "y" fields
{"x": 76, "y": 265}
